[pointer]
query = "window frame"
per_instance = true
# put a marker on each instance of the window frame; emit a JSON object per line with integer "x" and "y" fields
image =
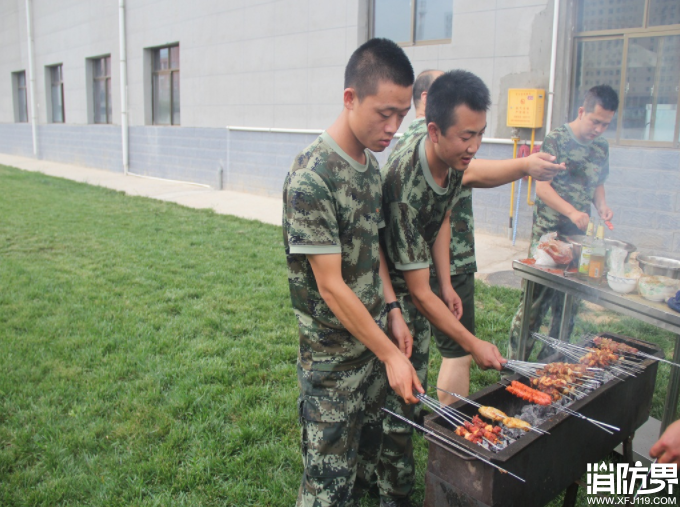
{"x": 625, "y": 34}
{"x": 412, "y": 42}
{"x": 155, "y": 53}
{"x": 60, "y": 83}
{"x": 108, "y": 96}
{"x": 17, "y": 90}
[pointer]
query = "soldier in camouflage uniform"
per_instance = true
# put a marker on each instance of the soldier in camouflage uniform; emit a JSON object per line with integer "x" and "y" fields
{"x": 419, "y": 190}
{"x": 564, "y": 205}
{"x": 331, "y": 216}
{"x": 454, "y": 374}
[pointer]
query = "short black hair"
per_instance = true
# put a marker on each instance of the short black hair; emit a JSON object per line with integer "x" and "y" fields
{"x": 449, "y": 91}
{"x": 422, "y": 84}
{"x": 374, "y": 61}
{"x": 602, "y": 95}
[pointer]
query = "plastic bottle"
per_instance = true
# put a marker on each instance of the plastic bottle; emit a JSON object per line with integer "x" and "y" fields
{"x": 586, "y": 249}
{"x": 597, "y": 254}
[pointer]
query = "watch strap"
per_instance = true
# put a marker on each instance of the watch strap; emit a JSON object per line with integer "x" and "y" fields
{"x": 391, "y": 306}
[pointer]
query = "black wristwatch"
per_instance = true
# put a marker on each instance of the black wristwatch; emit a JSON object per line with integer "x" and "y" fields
{"x": 391, "y": 306}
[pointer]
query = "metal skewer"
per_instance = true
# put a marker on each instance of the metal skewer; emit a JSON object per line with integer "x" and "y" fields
{"x": 599, "y": 424}
{"x": 533, "y": 374}
{"x": 452, "y": 418}
{"x": 575, "y": 353}
{"x": 474, "y": 403}
{"x": 574, "y": 388}
{"x": 649, "y": 356}
{"x": 465, "y": 416}
{"x": 450, "y": 443}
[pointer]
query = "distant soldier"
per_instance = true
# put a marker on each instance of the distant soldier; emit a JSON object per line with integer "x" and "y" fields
{"x": 339, "y": 285}
{"x": 563, "y": 205}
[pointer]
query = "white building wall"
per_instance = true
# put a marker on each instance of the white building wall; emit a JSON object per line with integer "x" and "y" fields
{"x": 267, "y": 63}
{"x": 13, "y": 57}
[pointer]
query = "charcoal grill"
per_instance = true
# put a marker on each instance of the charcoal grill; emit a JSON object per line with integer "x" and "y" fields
{"x": 548, "y": 463}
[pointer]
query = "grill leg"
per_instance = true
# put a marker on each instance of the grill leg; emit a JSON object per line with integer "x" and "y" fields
{"x": 567, "y": 308}
{"x": 627, "y": 446}
{"x": 570, "y": 495}
{"x": 524, "y": 328}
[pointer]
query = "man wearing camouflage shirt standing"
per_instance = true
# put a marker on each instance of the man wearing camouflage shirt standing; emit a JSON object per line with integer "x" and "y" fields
{"x": 331, "y": 217}
{"x": 421, "y": 182}
{"x": 419, "y": 188}
{"x": 563, "y": 205}
{"x": 454, "y": 373}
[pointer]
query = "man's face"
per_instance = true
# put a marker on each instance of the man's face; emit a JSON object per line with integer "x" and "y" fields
{"x": 375, "y": 119}
{"x": 594, "y": 124}
{"x": 458, "y": 145}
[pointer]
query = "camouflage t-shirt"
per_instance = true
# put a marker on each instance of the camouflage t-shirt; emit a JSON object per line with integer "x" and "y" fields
{"x": 462, "y": 222}
{"x": 332, "y": 204}
{"x": 587, "y": 168}
{"x": 463, "y": 259}
{"x": 417, "y": 128}
{"x": 415, "y": 207}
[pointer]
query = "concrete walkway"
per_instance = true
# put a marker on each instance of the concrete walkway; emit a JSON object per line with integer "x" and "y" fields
{"x": 494, "y": 253}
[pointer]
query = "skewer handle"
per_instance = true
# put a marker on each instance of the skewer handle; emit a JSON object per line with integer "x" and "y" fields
{"x": 449, "y": 443}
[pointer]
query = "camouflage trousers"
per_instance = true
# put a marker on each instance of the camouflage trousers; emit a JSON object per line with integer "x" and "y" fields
{"x": 396, "y": 468}
{"x": 544, "y": 299}
{"x": 341, "y": 432}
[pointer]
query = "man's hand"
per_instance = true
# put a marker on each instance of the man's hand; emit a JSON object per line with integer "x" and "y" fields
{"x": 579, "y": 219}
{"x": 487, "y": 355}
{"x": 605, "y": 212}
{"x": 399, "y": 332}
{"x": 540, "y": 167}
{"x": 403, "y": 378}
{"x": 667, "y": 449}
{"x": 451, "y": 300}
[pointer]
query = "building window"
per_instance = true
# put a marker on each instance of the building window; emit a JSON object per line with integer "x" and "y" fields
{"x": 165, "y": 86}
{"x": 101, "y": 89}
{"x": 413, "y": 22}
{"x": 20, "y": 102}
{"x": 635, "y": 48}
{"x": 56, "y": 93}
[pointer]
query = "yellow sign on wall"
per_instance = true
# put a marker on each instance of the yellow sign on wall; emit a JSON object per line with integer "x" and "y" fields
{"x": 525, "y": 107}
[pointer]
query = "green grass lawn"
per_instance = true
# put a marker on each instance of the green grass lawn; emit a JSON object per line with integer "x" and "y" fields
{"x": 148, "y": 352}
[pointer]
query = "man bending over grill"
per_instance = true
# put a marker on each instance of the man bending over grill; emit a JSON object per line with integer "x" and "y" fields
{"x": 421, "y": 182}
{"x": 331, "y": 216}
{"x": 563, "y": 205}
{"x": 454, "y": 374}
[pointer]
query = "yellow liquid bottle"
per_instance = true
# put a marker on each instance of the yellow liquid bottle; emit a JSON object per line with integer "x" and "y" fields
{"x": 586, "y": 250}
{"x": 597, "y": 255}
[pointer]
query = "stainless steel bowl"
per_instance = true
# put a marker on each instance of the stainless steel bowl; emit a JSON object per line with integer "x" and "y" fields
{"x": 654, "y": 265}
{"x": 577, "y": 242}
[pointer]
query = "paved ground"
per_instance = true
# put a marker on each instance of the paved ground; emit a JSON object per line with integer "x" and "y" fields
{"x": 494, "y": 254}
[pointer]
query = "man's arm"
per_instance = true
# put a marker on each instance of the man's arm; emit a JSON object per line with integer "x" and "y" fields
{"x": 667, "y": 448}
{"x": 441, "y": 258}
{"x": 600, "y": 203}
{"x": 351, "y": 312}
{"x": 494, "y": 173}
{"x": 485, "y": 354}
{"x": 547, "y": 194}
{"x": 396, "y": 324}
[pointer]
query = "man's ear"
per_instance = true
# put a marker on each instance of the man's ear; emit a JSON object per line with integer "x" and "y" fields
{"x": 581, "y": 111}
{"x": 348, "y": 97}
{"x": 423, "y": 99}
{"x": 433, "y": 131}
